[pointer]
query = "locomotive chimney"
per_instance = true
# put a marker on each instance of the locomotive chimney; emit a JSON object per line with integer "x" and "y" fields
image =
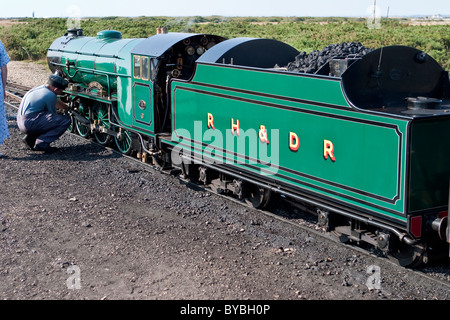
{"x": 74, "y": 33}
{"x": 161, "y": 30}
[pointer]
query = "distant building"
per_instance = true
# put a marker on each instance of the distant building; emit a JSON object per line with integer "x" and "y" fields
{"x": 436, "y": 17}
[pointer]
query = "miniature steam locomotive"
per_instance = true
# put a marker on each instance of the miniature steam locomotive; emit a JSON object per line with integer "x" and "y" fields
{"x": 363, "y": 142}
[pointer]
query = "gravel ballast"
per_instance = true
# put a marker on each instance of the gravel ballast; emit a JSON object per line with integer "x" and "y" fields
{"x": 87, "y": 223}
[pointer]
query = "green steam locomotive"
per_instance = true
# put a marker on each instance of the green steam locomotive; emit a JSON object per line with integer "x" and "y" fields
{"x": 363, "y": 142}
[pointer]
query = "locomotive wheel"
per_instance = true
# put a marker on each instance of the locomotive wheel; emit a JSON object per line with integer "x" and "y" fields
{"x": 100, "y": 114}
{"x": 257, "y": 197}
{"x": 71, "y": 128}
{"x": 160, "y": 162}
{"x": 124, "y": 143}
{"x": 82, "y": 129}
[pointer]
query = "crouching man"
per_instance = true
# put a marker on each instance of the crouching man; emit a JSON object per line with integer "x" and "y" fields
{"x": 37, "y": 116}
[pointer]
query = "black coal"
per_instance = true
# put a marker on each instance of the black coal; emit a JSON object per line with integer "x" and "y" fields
{"x": 312, "y": 62}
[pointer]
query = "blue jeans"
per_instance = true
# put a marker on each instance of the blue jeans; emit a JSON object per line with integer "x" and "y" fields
{"x": 45, "y": 127}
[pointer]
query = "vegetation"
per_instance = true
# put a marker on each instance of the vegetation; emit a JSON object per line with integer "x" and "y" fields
{"x": 30, "y": 38}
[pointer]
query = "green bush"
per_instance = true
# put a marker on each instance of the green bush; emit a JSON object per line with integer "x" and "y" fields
{"x": 30, "y": 38}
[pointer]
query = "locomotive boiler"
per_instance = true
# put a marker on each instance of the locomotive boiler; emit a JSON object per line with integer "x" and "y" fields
{"x": 363, "y": 142}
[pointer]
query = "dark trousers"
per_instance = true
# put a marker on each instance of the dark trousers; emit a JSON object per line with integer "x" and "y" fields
{"x": 45, "y": 127}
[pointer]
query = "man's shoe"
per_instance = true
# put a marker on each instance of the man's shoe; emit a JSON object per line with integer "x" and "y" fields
{"x": 29, "y": 141}
{"x": 46, "y": 150}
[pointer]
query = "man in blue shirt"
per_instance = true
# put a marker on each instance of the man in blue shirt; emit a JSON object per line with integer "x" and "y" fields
{"x": 37, "y": 116}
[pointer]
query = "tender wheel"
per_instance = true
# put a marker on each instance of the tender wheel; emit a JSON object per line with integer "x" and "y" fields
{"x": 409, "y": 256}
{"x": 257, "y": 197}
{"x": 101, "y": 116}
{"x": 124, "y": 141}
{"x": 82, "y": 129}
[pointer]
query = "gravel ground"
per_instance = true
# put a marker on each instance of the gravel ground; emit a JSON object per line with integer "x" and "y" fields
{"x": 27, "y": 73}
{"x": 86, "y": 223}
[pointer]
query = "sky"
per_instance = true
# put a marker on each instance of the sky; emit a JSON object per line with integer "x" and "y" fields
{"x": 176, "y": 8}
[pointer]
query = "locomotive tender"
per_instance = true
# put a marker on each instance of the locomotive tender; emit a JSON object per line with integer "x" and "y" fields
{"x": 363, "y": 142}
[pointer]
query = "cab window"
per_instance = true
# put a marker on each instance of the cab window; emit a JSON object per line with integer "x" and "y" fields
{"x": 137, "y": 67}
{"x": 141, "y": 67}
{"x": 144, "y": 68}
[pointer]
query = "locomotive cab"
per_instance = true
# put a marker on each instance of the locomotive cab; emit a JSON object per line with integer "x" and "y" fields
{"x": 166, "y": 56}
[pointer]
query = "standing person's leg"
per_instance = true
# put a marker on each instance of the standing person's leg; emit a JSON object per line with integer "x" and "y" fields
{"x": 4, "y": 130}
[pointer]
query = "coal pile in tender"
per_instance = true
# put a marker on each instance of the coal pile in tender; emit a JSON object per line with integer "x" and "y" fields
{"x": 312, "y": 62}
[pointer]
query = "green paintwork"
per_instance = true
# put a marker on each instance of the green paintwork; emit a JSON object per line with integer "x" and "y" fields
{"x": 92, "y": 59}
{"x": 143, "y": 106}
{"x": 275, "y": 83}
{"x": 109, "y": 34}
{"x": 105, "y": 59}
{"x": 370, "y": 150}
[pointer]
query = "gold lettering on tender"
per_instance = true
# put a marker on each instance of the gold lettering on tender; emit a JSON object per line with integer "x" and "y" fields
{"x": 234, "y": 126}
{"x": 328, "y": 150}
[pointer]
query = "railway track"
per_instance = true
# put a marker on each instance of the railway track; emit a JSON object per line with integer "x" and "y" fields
{"x": 286, "y": 214}
{"x": 14, "y": 94}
